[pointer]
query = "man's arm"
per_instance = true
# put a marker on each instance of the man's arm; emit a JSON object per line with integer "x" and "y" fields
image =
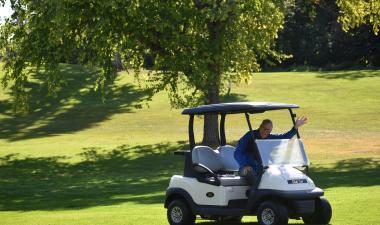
{"x": 288, "y": 135}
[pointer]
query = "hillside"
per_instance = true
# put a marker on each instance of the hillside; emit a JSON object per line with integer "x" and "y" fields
{"x": 74, "y": 156}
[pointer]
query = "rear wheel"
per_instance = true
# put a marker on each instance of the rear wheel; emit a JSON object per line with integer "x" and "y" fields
{"x": 322, "y": 213}
{"x": 272, "y": 213}
{"x": 180, "y": 214}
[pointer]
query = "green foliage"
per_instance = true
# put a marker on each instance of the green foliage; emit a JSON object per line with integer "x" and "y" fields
{"x": 197, "y": 46}
{"x": 43, "y": 34}
{"x": 205, "y": 45}
{"x": 357, "y": 12}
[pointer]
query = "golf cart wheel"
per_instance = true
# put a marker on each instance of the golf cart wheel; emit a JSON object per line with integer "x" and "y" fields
{"x": 322, "y": 214}
{"x": 272, "y": 213}
{"x": 180, "y": 214}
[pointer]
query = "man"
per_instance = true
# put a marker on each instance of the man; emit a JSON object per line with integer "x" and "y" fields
{"x": 246, "y": 152}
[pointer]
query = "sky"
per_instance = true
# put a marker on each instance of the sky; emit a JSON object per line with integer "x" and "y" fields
{"x": 5, "y": 11}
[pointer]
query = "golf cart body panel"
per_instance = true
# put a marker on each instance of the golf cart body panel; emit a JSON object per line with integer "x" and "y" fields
{"x": 206, "y": 194}
{"x": 285, "y": 178}
{"x": 211, "y": 187}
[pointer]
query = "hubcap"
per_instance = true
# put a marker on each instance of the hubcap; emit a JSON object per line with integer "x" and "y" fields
{"x": 176, "y": 214}
{"x": 267, "y": 216}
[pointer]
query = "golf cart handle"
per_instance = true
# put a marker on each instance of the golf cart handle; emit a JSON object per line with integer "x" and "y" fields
{"x": 181, "y": 152}
{"x": 216, "y": 181}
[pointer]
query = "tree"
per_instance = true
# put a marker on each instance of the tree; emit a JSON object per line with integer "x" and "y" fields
{"x": 357, "y": 12}
{"x": 197, "y": 46}
{"x": 314, "y": 37}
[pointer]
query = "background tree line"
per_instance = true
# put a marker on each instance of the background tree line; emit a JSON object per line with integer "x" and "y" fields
{"x": 315, "y": 38}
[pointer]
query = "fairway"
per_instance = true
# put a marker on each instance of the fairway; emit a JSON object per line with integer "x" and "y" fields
{"x": 76, "y": 160}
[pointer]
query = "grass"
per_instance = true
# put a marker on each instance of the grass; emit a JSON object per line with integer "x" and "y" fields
{"x": 76, "y": 160}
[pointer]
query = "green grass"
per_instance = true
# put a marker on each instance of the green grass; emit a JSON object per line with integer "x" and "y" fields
{"x": 76, "y": 160}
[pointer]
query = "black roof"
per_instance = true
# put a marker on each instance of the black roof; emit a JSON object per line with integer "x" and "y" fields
{"x": 238, "y": 107}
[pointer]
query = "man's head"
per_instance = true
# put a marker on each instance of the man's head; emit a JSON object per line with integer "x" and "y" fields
{"x": 265, "y": 128}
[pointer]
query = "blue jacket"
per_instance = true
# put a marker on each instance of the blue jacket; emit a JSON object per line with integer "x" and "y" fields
{"x": 244, "y": 158}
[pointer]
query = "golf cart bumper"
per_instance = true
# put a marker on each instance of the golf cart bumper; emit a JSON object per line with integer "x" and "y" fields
{"x": 302, "y": 203}
{"x": 298, "y": 194}
{"x": 299, "y": 203}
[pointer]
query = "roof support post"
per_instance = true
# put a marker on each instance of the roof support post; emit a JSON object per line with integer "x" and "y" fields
{"x": 293, "y": 115}
{"x": 248, "y": 121}
{"x": 222, "y": 130}
{"x": 191, "y": 132}
{"x": 188, "y": 170}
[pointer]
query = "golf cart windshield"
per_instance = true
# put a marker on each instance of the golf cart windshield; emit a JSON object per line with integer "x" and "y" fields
{"x": 282, "y": 152}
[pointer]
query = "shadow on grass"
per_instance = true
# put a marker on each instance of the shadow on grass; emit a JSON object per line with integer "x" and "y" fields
{"x": 349, "y": 75}
{"x": 233, "y": 97}
{"x": 138, "y": 174}
{"x": 228, "y": 223}
{"x": 76, "y": 106}
{"x": 125, "y": 174}
{"x": 359, "y": 172}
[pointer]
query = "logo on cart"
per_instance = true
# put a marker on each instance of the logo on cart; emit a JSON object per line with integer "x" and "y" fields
{"x": 297, "y": 181}
{"x": 210, "y": 194}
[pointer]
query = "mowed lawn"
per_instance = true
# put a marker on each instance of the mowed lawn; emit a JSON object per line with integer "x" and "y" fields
{"x": 76, "y": 160}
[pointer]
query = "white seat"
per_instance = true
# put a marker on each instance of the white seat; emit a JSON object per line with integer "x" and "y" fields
{"x": 208, "y": 157}
{"x": 221, "y": 160}
{"x": 226, "y": 154}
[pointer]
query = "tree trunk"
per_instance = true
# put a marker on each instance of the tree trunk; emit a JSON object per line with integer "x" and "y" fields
{"x": 211, "y": 126}
{"x": 117, "y": 62}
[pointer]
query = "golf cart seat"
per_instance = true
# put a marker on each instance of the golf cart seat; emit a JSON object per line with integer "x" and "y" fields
{"x": 213, "y": 161}
{"x": 226, "y": 153}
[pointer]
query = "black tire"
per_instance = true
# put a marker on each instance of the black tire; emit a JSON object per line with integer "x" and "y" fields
{"x": 322, "y": 213}
{"x": 272, "y": 213}
{"x": 179, "y": 213}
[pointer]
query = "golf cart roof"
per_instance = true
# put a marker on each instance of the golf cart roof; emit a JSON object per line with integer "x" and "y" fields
{"x": 237, "y": 107}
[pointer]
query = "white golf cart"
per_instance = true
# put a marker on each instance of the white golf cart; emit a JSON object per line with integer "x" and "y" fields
{"x": 211, "y": 187}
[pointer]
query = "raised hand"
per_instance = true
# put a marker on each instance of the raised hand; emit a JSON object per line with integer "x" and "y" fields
{"x": 300, "y": 121}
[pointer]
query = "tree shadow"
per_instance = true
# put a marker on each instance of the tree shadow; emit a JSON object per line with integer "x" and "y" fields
{"x": 125, "y": 174}
{"x": 359, "y": 172}
{"x": 229, "y": 223}
{"x": 138, "y": 174}
{"x": 349, "y": 75}
{"x": 76, "y": 106}
{"x": 233, "y": 97}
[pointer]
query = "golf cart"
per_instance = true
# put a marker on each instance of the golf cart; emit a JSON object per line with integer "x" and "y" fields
{"x": 211, "y": 187}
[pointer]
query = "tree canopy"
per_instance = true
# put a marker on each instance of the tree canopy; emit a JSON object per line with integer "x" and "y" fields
{"x": 197, "y": 47}
{"x": 357, "y": 12}
{"x": 189, "y": 40}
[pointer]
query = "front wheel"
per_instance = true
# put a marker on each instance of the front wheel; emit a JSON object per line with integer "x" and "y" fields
{"x": 272, "y": 213}
{"x": 180, "y": 214}
{"x": 322, "y": 213}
